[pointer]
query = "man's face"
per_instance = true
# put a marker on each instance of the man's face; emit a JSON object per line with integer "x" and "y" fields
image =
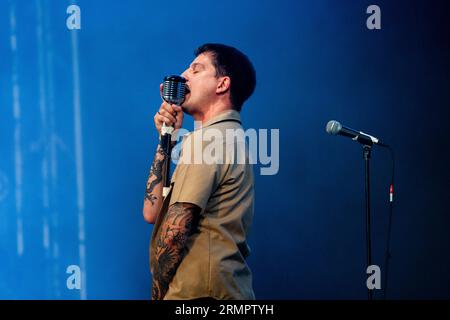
{"x": 202, "y": 83}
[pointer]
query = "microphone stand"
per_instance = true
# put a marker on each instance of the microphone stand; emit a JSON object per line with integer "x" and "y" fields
{"x": 366, "y": 153}
{"x": 334, "y": 127}
{"x": 166, "y": 144}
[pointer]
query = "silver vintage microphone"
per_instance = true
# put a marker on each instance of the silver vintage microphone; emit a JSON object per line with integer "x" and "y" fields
{"x": 174, "y": 89}
{"x": 174, "y": 92}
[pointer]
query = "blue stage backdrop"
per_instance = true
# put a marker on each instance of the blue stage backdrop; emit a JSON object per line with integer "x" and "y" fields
{"x": 77, "y": 140}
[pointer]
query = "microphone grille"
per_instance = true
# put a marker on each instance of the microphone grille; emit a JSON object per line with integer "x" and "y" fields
{"x": 174, "y": 89}
{"x": 333, "y": 127}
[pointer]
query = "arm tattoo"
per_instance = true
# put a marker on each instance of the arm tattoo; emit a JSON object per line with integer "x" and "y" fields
{"x": 155, "y": 175}
{"x": 175, "y": 230}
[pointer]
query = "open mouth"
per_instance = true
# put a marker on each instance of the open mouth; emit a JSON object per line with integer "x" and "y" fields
{"x": 187, "y": 90}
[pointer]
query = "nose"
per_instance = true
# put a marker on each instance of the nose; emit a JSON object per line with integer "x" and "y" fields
{"x": 185, "y": 75}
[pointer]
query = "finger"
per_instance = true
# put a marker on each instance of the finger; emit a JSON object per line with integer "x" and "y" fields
{"x": 177, "y": 109}
{"x": 166, "y": 114}
{"x": 162, "y": 119}
{"x": 167, "y": 107}
{"x": 177, "y": 125}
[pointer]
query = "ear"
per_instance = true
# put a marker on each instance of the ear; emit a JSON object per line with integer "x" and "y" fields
{"x": 223, "y": 85}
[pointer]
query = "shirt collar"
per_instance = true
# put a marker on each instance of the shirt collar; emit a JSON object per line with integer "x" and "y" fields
{"x": 225, "y": 115}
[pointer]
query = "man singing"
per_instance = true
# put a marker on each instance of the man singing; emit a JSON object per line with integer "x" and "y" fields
{"x": 199, "y": 241}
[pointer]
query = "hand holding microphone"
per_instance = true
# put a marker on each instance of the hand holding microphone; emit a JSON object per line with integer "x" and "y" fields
{"x": 171, "y": 115}
{"x": 169, "y": 118}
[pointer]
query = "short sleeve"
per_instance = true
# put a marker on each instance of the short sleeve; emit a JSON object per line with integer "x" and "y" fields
{"x": 194, "y": 183}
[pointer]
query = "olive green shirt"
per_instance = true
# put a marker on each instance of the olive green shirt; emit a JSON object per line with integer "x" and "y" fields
{"x": 214, "y": 263}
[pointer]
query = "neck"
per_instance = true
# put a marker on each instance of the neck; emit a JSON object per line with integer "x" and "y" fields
{"x": 212, "y": 111}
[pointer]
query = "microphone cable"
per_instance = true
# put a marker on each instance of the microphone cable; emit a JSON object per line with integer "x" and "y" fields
{"x": 387, "y": 256}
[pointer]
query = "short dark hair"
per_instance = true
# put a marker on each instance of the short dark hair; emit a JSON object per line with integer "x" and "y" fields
{"x": 231, "y": 62}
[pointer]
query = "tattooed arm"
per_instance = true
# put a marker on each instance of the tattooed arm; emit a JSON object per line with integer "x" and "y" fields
{"x": 153, "y": 192}
{"x": 175, "y": 230}
{"x": 171, "y": 115}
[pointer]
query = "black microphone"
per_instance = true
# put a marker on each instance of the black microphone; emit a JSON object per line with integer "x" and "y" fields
{"x": 335, "y": 128}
